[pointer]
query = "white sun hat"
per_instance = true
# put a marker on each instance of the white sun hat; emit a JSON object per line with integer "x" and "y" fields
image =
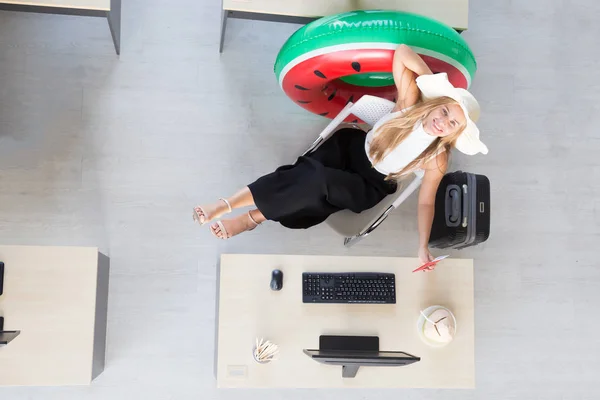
{"x": 438, "y": 85}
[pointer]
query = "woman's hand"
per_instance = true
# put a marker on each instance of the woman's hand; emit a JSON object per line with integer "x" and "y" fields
{"x": 425, "y": 257}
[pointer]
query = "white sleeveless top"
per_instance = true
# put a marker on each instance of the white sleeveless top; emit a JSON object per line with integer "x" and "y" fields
{"x": 407, "y": 151}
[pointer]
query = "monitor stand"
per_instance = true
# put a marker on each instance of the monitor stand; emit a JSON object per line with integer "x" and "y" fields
{"x": 349, "y": 371}
{"x": 349, "y": 343}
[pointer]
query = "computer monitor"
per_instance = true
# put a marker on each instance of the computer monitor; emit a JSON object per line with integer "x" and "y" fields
{"x": 353, "y": 352}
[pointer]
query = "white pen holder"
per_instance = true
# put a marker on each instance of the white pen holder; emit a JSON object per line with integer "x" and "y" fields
{"x": 436, "y": 326}
{"x": 264, "y": 351}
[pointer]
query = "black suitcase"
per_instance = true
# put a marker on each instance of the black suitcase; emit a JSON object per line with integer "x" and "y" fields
{"x": 462, "y": 211}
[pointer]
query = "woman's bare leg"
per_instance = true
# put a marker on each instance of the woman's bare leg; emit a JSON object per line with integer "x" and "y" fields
{"x": 206, "y": 213}
{"x": 243, "y": 198}
{"x": 237, "y": 225}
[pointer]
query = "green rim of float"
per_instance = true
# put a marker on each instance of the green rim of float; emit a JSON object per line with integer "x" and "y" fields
{"x": 370, "y": 79}
{"x": 348, "y": 55}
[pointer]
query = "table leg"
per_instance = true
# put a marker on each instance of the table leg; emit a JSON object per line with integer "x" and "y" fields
{"x": 223, "y": 27}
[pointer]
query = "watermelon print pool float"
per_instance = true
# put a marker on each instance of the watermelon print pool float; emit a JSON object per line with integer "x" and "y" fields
{"x": 340, "y": 58}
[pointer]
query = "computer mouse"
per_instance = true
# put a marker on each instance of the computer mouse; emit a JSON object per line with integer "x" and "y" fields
{"x": 276, "y": 280}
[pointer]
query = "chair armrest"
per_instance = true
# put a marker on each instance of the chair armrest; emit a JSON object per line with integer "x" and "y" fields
{"x": 330, "y": 128}
{"x": 350, "y": 241}
{"x": 313, "y": 146}
{"x": 412, "y": 186}
{"x": 378, "y": 221}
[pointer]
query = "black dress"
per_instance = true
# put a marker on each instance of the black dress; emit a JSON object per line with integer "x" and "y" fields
{"x": 337, "y": 176}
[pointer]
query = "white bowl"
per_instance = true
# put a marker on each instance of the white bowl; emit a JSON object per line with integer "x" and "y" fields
{"x": 421, "y": 325}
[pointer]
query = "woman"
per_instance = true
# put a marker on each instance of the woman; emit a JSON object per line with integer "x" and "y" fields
{"x": 355, "y": 170}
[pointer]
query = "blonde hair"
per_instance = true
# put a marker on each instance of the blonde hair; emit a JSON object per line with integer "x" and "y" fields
{"x": 396, "y": 130}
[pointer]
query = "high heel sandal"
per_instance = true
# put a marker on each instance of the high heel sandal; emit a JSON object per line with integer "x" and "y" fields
{"x": 198, "y": 218}
{"x": 226, "y": 234}
{"x": 253, "y": 221}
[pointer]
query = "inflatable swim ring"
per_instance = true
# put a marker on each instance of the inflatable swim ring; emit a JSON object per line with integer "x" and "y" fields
{"x": 340, "y": 58}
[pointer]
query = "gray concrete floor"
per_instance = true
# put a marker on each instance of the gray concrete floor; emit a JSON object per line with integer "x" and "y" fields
{"x": 114, "y": 152}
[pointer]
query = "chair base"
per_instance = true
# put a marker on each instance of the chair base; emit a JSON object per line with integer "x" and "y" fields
{"x": 351, "y": 241}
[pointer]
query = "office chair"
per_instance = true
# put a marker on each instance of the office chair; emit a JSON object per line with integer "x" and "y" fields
{"x": 355, "y": 227}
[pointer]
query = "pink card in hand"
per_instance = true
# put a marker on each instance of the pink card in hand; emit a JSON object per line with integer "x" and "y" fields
{"x": 431, "y": 263}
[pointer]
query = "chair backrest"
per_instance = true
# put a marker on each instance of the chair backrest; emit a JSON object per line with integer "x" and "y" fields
{"x": 371, "y": 109}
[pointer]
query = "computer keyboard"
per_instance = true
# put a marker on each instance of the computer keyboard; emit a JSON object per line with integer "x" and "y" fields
{"x": 363, "y": 287}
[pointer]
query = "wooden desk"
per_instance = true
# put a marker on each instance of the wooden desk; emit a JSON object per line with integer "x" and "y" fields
{"x": 57, "y": 297}
{"x": 109, "y": 9}
{"x": 248, "y": 308}
{"x": 79, "y": 4}
{"x": 454, "y": 13}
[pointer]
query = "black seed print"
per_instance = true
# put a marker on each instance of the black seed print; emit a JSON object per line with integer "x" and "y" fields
{"x": 332, "y": 95}
{"x": 320, "y": 74}
{"x": 351, "y": 99}
{"x": 300, "y": 87}
{"x": 356, "y": 66}
{"x": 355, "y": 121}
{"x": 324, "y": 114}
{"x": 303, "y": 102}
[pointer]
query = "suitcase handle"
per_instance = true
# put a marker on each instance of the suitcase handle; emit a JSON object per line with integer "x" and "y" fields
{"x": 453, "y": 211}
{"x": 465, "y": 214}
